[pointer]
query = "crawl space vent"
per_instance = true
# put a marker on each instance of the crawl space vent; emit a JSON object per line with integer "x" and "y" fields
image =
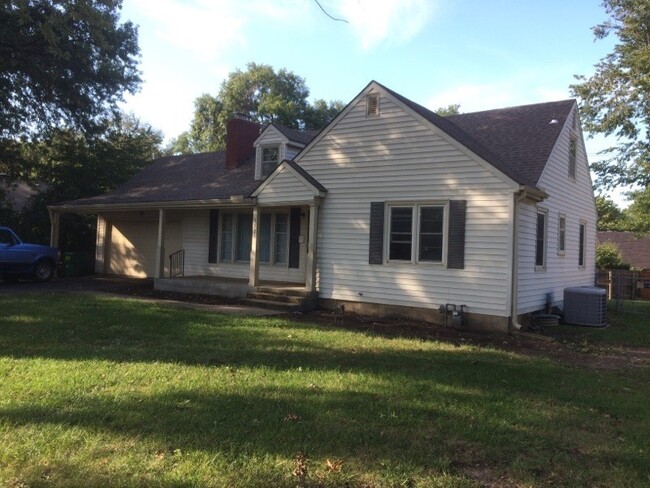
{"x": 585, "y": 305}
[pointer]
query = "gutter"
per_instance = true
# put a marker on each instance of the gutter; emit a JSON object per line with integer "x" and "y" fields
{"x": 534, "y": 195}
{"x": 234, "y": 201}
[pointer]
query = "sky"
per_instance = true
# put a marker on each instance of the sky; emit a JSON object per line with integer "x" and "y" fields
{"x": 476, "y": 53}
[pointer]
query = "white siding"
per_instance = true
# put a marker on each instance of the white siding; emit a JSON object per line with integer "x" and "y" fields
{"x": 291, "y": 152}
{"x": 285, "y": 187}
{"x": 573, "y": 198}
{"x": 396, "y": 157}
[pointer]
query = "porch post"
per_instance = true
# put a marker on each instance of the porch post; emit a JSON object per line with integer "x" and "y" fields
{"x": 55, "y": 219}
{"x": 160, "y": 249}
{"x": 254, "y": 270}
{"x": 310, "y": 276}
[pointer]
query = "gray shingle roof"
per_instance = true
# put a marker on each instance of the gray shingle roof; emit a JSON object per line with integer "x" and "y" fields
{"x": 181, "y": 178}
{"x": 517, "y": 141}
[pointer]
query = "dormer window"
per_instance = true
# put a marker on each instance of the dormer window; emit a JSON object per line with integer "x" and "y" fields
{"x": 270, "y": 159}
{"x": 372, "y": 105}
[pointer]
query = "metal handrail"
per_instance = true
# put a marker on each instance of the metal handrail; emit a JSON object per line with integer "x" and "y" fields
{"x": 177, "y": 264}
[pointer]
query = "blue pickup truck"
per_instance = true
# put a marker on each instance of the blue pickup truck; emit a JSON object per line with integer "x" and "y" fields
{"x": 19, "y": 259}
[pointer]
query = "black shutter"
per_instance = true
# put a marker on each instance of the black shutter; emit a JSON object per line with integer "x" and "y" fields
{"x": 214, "y": 236}
{"x": 294, "y": 238}
{"x": 456, "y": 251}
{"x": 376, "y": 244}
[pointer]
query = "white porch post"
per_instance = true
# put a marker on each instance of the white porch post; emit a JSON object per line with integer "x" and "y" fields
{"x": 254, "y": 270}
{"x": 55, "y": 219}
{"x": 310, "y": 277}
{"x": 160, "y": 250}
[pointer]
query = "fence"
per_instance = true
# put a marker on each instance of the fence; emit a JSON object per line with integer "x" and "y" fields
{"x": 629, "y": 289}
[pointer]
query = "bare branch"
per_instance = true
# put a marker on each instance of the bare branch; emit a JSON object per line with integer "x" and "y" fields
{"x": 326, "y": 13}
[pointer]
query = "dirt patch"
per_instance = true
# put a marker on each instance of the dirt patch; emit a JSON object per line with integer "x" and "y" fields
{"x": 527, "y": 343}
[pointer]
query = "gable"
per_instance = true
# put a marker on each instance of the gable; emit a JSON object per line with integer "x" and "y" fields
{"x": 288, "y": 184}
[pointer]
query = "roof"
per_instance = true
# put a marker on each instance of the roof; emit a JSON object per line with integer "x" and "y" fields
{"x": 181, "y": 178}
{"x": 634, "y": 249}
{"x": 517, "y": 140}
{"x": 302, "y": 137}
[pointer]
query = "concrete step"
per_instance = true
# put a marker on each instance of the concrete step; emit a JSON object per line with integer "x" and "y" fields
{"x": 292, "y": 292}
{"x": 272, "y": 297}
{"x": 270, "y": 304}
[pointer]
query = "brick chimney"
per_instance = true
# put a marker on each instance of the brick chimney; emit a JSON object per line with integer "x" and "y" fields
{"x": 240, "y": 136}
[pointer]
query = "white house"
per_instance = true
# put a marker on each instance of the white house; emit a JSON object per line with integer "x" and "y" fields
{"x": 391, "y": 209}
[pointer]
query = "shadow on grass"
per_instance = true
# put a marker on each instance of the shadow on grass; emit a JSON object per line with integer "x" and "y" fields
{"x": 429, "y": 408}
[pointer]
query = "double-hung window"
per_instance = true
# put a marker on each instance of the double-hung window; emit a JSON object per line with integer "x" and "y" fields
{"x": 540, "y": 240}
{"x": 561, "y": 234}
{"x": 582, "y": 244}
{"x": 270, "y": 159}
{"x": 416, "y": 233}
{"x": 235, "y": 237}
{"x": 274, "y": 238}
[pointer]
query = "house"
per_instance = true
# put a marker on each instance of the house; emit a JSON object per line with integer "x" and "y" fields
{"x": 390, "y": 209}
{"x": 634, "y": 249}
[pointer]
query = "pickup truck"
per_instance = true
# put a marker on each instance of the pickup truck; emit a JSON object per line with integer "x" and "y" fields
{"x": 19, "y": 259}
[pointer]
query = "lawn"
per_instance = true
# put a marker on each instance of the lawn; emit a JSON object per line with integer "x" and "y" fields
{"x": 108, "y": 392}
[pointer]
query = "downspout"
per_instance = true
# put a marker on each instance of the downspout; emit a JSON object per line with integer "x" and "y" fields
{"x": 518, "y": 198}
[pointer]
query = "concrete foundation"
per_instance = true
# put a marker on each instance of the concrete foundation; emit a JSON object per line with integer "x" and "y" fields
{"x": 204, "y": 285}
{"x": 471, "y": 321}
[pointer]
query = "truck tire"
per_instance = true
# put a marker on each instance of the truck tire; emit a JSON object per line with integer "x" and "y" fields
{"x": 43, "y": 270}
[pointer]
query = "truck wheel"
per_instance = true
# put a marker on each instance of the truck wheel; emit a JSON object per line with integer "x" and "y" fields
{"x": 43, "y": 271}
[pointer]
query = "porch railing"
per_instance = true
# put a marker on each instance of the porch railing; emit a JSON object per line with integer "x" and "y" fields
{"x": 177, "y": 264}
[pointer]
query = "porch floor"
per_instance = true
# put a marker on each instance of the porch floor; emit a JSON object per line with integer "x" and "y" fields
{"x": 220, "y": 286}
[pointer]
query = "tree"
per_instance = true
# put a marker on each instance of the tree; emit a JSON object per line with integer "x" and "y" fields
{"x": 72, "y": 164}
{"x": 608, "y": 256}
{"x": 65, "y": 63}
{"x": 638, "y": 213}
{"x": 452, "y": 109}
{"x": 610, "y": 216}
{"x": 262, "y": 95}
{"x": 615, "y": 100}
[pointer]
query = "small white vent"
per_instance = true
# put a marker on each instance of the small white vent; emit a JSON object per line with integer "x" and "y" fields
{"x": 585, "y": 305}
{"x": 372, "y": 105}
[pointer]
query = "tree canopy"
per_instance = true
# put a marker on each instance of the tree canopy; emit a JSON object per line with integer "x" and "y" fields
{"x": 64, "y": 63}
{"x": 615, "y": 100}
{"x": 263, "y": 95}
{"x": 635, "y": 218}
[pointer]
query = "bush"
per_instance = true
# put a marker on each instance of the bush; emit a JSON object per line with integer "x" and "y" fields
{"x": 608, "y": 256}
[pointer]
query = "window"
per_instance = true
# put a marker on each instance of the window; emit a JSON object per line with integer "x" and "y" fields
{"x": 372, "y": 105}
{"x": 416, "y": 231}
{"x": 270, "y": 159}
{"x": 582, "y": 244}
{"x": 561, "y": 234}
{"x": 235, "y": 237}
{"x": 540, "y": 247}
{"x": 572, "y": 157}
{"x": 274, "y": 238}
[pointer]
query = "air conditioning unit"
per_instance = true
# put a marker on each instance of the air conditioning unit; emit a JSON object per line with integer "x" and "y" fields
{"x": 585, "y": 305}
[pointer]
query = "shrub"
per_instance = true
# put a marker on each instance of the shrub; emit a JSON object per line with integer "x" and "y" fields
{"x": 608, "y": 256}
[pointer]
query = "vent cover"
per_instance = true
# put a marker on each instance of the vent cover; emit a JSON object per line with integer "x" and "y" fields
{"x": 585, "y": 305}
{"x": 372, "y": 105}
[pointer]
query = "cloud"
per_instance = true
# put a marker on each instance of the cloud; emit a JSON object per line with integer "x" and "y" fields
{"x": 385, "y": 21}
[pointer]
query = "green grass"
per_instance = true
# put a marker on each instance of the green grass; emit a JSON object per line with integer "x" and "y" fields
{"x": 627, "y": 326}
{"x": 98, "y": 391}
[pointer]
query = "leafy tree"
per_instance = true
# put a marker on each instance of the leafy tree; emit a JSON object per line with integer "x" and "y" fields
{"x": 638, "y": 213}
{"x": 65, "y": 63}
{"x": 615, "y": 100}
{"x": 262, "y": 95}
{"x": 453, "y": 109}
{"x": 610, "y": 216}
{"x": 608, "y": 256}
{"x": 72, "y": 165}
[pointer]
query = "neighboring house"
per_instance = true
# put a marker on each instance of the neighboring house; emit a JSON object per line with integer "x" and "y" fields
{"x": 635, "y": 250}
{"x": 391, "y": 209}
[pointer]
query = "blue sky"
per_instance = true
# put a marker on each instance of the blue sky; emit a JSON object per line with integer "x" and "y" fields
{"x": 480, "y": 54}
